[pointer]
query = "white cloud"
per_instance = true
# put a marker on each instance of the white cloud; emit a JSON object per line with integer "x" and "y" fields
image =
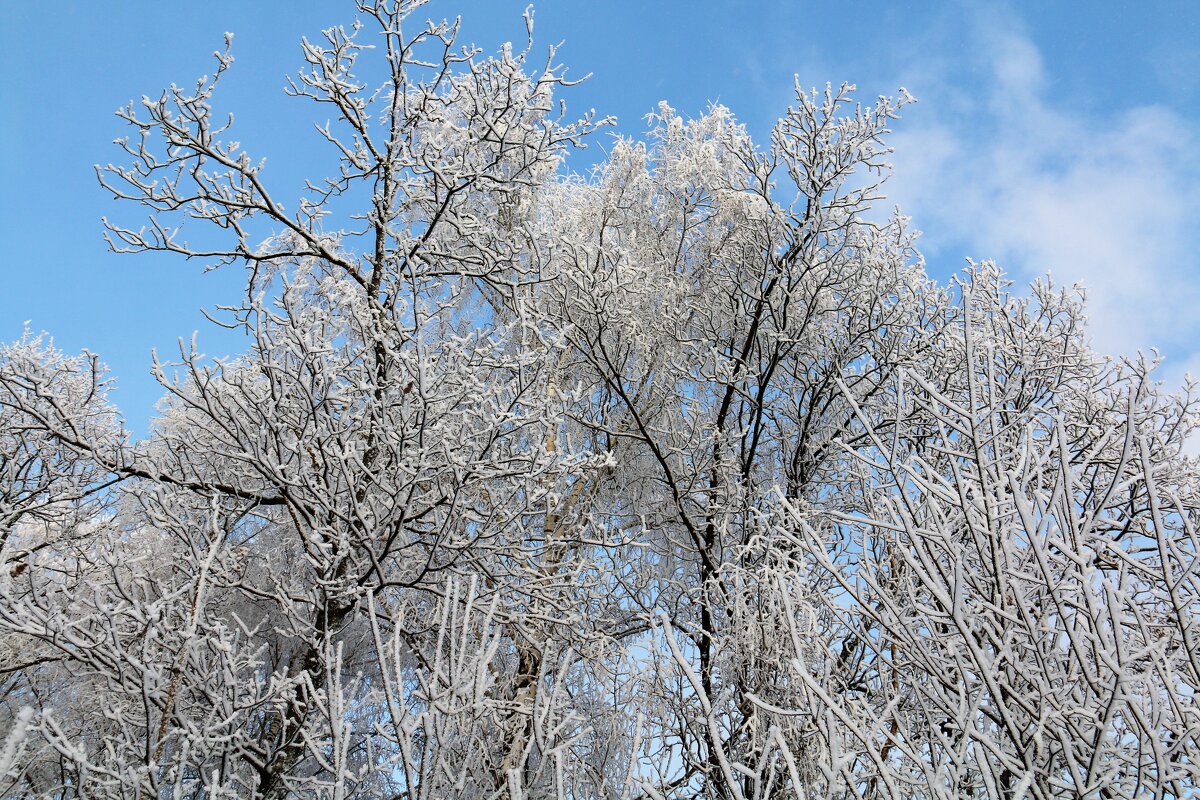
{"x": 1012, "y": 173}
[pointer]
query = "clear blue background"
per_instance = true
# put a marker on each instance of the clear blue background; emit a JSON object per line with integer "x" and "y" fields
{"x": 1053, "y": 137}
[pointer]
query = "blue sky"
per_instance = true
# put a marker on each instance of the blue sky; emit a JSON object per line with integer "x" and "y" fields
{"x": 1053, "y": 137}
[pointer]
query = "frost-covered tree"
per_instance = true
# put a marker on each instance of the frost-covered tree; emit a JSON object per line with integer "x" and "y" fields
{"x": 676, "y": 479}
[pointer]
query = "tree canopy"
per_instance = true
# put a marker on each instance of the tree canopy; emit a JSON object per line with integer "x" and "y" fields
{"x": 676, "y": 479}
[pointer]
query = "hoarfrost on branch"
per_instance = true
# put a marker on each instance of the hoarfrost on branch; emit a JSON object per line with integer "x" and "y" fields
{"x": 678, "y": 479}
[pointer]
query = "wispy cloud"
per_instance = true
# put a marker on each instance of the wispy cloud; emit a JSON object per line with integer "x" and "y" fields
{"x": 1011, "y": 172}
